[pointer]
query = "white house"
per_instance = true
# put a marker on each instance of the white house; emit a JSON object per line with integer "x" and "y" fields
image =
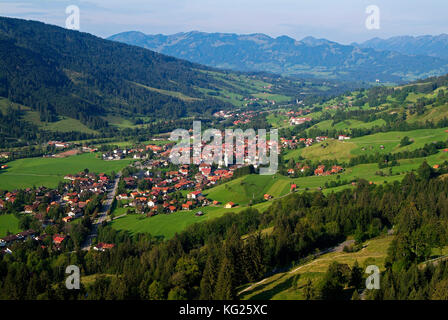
{"x": 342, "y": 138}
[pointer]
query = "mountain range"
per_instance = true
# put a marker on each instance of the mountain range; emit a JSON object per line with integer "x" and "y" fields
{"x": 434, "y": 46}
{"x": 69, "y": 81}
{"x": 309, "y": 57}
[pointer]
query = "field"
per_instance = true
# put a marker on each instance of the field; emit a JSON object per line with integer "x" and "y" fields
{"x": 367, "y": 171}
{"x": 48, "y": 172}
{"x": 8, "y": 222}
{"x": 281, "y": 285}
{"x": 277, "y": 121}
{"x": 242, "y": 190}
{"x": 274, "y": 97}
{"x": 366, "y": 145}
{"x": 329, "y": 149}
{"x": 347, "y": 125}
{"x": 391, "y": 140}
{"x": 166, "y": 225}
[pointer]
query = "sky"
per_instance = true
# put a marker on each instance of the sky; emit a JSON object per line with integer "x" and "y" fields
{"x": 343, "y": 21}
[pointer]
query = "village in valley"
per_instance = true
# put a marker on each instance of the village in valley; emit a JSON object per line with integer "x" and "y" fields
{"x": 150, "y": 186}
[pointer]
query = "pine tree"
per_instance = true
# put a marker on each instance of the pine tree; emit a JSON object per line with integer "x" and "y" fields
{"x": 225, "y": 288}
{"x": 355, "y": 295}
{"x": 155, "y": 291}
{"x": 208, "y": 279}
{"x": 356, "y": 276}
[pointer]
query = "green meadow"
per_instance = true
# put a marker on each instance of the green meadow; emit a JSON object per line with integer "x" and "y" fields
{"x": 347, "y": 125}
{"x": 366, "y": 145}
{"x": 48, "y": 172}
{"x": 8, "y": 222}
{"x": 242, "y": 190}
{"x": 391, "y": 140}
{"x": 167, "y": 225}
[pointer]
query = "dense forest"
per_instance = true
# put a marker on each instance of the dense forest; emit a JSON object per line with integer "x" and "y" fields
{"x": 211, "y": 260}
{"x": 62, "y": 72}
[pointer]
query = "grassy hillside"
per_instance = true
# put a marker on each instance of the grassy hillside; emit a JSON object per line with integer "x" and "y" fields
{"x": 289, "y": 285}
{"x": 369, "y": 144}
{"x": 242, "y": 190}
{"x": 166, "y": 225}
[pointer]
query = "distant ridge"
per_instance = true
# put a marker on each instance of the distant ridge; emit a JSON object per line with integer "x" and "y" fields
{"x": 309, "y": 57}
{"x": 434, "y": 46}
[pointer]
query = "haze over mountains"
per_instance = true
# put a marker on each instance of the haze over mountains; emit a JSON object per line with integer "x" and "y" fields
{"x": 434, "y": 46}
{"x": 309, "y": 57}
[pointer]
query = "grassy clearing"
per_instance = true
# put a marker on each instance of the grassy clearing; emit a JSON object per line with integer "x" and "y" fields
{"x": 329, "y": 149}
{"x": 90, "y": 279}
{"x": 281, "y": 286}
{"x": 242, "y": 190}
{"x": 48, "y": 172}
{"x": 433, "y": 114}
{"x": 64, "y": 124}
{"x": 391, "y": 141}
{"x": 175, "y": 94}
{"x": 277, "y": 121}
{"x": 347, "y": 125}
{"x": 274, "y": 97}
{"x": 8, "y": 222}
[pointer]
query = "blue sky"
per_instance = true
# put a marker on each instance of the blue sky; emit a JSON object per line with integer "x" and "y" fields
{"x": 337, "y": 20}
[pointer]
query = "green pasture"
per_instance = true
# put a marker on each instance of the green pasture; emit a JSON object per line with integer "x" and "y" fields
{"x": 8, "y": 222}
{"x": 167, "y": 225}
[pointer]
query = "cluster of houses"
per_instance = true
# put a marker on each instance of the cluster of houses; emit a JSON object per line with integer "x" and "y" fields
{"x": 293, "y": 143}
{"x": 72, "y": 199}
{"x": 238, "y": 116}
{"x": 139, "y": 153}
{"x": 254, "y": 100}
{"x": 297, "y": 117}
{"x": 8, "y": 241}
{"x": 68, "y": 199}
{"x": 57, "y": 241}
{"x": 320, "y": 170}
{"x": 118, "y": 154}
{"x": 160, "y": 199}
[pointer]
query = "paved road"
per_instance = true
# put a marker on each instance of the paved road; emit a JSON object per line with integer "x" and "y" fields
{"x": 102, "y": 216}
